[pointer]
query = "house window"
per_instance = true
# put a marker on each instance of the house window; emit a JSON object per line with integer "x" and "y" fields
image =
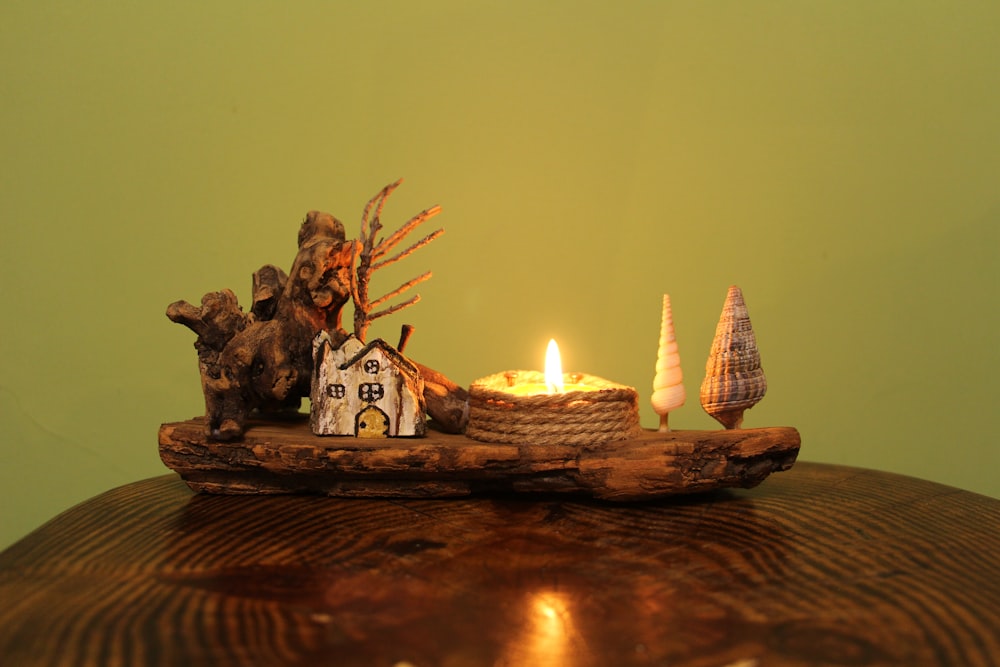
{"x": 371, "y": 391}
{"x": 371, "y": 366}
{"x": 336, "y": 390}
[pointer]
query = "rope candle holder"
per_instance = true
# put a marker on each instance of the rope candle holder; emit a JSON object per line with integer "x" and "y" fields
{"x": 601, "y": 412}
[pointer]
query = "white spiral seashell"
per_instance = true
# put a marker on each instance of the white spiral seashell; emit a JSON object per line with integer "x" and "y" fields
{"x": 668, "y": 387}
{"x": 734, "y": 380}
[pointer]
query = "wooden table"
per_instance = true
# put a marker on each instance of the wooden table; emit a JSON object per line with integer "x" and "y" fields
{"x": 820, "y": 565}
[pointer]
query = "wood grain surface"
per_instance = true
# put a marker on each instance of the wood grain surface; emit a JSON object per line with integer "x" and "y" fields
{"x": 820, "y": 565}
{"x": 285, "y": 457}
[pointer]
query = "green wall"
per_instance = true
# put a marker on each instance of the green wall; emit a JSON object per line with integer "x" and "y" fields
{"x": 837, "y": 160}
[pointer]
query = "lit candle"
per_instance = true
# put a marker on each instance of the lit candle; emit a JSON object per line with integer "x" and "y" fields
{"x": 553, "y": 369}
{"x": 551, "y": 408}
{"x": 554, "y": 378}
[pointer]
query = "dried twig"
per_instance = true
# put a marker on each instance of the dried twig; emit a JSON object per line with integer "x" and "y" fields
{"x": 378, "y": 200}
{"x": 388, "y": 244}
{"x": 413, "y": 248}
{"x": 368, "y": 251}
{"x": 392, "y": 309}
{"x": 399, "y": 290}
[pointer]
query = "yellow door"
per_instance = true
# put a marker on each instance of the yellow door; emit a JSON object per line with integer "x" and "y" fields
{"x": 371, "y": 423}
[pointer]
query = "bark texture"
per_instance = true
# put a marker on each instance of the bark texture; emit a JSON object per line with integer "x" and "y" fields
{"x": 288, "y": 458}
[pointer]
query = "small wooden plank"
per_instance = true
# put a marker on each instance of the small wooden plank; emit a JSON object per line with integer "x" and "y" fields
{"x": 285, "y": 457}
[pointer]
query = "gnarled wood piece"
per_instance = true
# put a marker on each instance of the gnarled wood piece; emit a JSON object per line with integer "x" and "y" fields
{"x": 447, "y": 403}
{"x": 288, "y": 458}
{"x": 268, "y": 285}
{"x": 263, "y": 361}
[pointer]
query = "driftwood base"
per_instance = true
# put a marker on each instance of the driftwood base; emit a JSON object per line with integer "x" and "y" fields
{"x": 287, "y": 458}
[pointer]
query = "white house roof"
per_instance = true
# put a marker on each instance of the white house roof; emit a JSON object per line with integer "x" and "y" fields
{"x": 392, "y": 353}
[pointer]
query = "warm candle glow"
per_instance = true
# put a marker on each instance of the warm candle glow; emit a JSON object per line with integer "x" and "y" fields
{"x": 547, "y": 633}
{"x": 553, "y": 369}
{"x": 552, "y": 381}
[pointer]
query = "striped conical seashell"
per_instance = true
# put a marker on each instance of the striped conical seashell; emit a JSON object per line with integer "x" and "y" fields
{"x": 734, "y": 380}
{"x": 668, "y": 385}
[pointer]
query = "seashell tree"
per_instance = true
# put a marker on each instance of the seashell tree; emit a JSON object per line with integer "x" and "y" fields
{"x": 668, "y": 384}
{"x": 734, "y": 380}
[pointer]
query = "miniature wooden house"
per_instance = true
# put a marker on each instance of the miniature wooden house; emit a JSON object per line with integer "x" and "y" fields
{"x": 365, "y": 390}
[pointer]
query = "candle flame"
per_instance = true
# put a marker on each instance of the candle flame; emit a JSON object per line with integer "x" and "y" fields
{"x": 553, "y": 369}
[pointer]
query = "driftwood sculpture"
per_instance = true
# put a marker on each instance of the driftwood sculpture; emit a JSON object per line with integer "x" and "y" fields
{"x": 286, "y": 457}
{"x": 262, "y": 361}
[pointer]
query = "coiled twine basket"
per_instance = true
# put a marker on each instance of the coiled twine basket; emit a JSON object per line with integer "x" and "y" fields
{"x": 603, "y": 411}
